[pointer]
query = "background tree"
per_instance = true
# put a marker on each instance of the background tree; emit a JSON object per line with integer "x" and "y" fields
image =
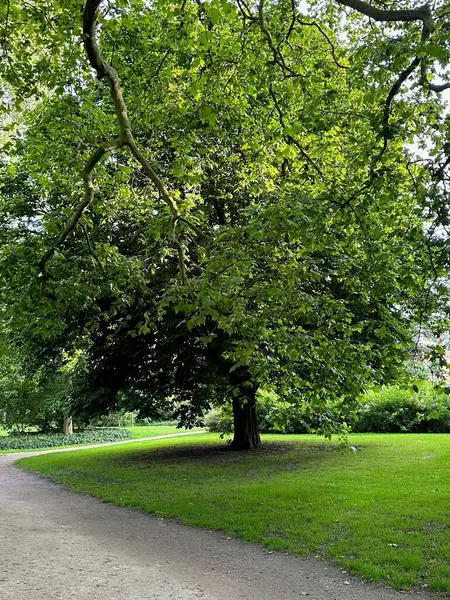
{"x": 32, "y": 398}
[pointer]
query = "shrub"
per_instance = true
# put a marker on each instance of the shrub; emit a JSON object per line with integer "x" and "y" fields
{"x": 277, "y": 416}
{"x": 150, "y": 421}
{"x": 119, "y": 418}
{"x": 89, "y": 436}
{"x": 392, "y": 409}
{"x": 220, "y": 420}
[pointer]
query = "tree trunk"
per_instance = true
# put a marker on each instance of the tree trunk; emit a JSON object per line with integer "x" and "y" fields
{"x": 67, "y": 422}
{"x": 246, "y": 430}
{"x": 67, "y": 426}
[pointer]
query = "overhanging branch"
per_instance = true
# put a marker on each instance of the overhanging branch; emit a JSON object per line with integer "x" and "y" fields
{"x": 89, "y": 191}
{"x": 422, "y": 13}
{"x": 125, "y": 138}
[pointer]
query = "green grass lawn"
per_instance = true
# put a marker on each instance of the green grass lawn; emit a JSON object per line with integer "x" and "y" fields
{"x": 382, "y": 513}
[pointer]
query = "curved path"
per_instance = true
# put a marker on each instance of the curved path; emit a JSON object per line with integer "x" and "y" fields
{"x": 55, "y": 545}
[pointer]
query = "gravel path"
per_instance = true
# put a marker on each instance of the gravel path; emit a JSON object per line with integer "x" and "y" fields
{"x": 55, "y": 545}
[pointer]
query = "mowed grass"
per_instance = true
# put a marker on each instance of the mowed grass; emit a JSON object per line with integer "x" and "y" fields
{"x": 382, "y": 513}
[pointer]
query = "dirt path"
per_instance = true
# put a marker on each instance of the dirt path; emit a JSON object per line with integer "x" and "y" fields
{"x": 55, "y": 545}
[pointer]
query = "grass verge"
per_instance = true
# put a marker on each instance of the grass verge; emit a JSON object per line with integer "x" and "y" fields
{"x": 382, "y": 513}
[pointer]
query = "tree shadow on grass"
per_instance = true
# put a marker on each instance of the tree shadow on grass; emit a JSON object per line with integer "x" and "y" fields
{"x": 283, "y": 456}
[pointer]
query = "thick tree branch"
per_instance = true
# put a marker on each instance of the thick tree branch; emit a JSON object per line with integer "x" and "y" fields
{"x": 70, "y": 225}
{"x": 165, "y": 195}
{"x": 422, "y": 13}
{"x": 439, "y": 88}
{"x": 106, "y": 72}
{"x": 126, "y": 138}
{"x": 103, "y": 70}
{"x": 277, "y": 55}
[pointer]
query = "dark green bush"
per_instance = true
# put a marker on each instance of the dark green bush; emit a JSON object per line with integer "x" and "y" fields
{"x": 119, "y": 418}
{"x": 392, "y": 409}
{"x": 89, "y": 436}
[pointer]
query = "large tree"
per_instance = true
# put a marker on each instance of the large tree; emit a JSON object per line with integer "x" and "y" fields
{"x": 254, "y": 207}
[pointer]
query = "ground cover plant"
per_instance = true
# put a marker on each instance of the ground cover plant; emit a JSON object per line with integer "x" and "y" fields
{"x": 55, "y": 440}
{"x": 380, "y": 512}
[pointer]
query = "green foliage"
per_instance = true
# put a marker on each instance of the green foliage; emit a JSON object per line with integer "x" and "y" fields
{"x": 394, "y": 409}
{"x": 276, "y": 416}
{"x": 417, "y": 370}
{"x": 310, "y": 228}
{"x": 390, "y": 409}
{"x": 90, "y": 436}
{"x": 220, "y": 420}
{"x": 30, "y": 398}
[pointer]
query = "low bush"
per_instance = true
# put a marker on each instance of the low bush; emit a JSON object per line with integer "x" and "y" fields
{"x": 149, "y": 422}
{"x": 119, "y": 418}
{"x": 35, "y": 441}
{"x": 393, "y": 409}
{"x": 220, "y": 420}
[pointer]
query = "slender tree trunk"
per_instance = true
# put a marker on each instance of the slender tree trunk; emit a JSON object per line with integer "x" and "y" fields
{"x": 68, "y": 425}
{"x": 246, "y": 430}
{"x": 45, "y": 426}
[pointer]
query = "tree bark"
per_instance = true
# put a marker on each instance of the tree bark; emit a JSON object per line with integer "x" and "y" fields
{"x": 246, "y": 430}
{"x": 68, "y": 426}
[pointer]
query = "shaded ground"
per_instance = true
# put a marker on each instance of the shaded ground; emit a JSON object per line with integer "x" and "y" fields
{"x": 55, "y": 545}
